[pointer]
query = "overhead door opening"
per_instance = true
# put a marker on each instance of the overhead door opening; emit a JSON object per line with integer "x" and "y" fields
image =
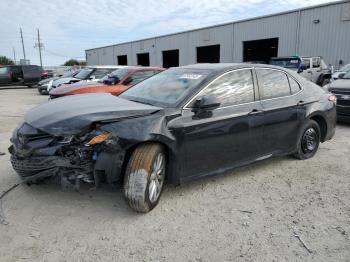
{"x": 208, "y": 54}
{"x": 260, "y": 51}
{"x": 122, "y": 60}
{"x": 170, "y": 58}
{"x": 143, "y": 59}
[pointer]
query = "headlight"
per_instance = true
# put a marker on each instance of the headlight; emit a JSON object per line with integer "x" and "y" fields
{"x": 49, "y": 85}
{"x": 99, "y": 139}
{"x": 326, "y": 87}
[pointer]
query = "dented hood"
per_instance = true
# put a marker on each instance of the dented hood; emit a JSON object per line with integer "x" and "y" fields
{"x": 340, "y": 84}
{"x": 70, "y": 115}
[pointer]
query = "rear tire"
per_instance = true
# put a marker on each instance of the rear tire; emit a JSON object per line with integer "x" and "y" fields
{"x": 325, "y": 81}
{"x": 144, "y": 177}
{"x": 309, "y": 141}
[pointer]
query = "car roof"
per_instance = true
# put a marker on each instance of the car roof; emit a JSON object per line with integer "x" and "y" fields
{"x": 106, "y": 66}
{"x": 221, "y": 67}
{"x": 136, "y": 68}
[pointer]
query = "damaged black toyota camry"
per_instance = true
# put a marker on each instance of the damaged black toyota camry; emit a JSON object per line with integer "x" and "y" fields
{"x": 181, "y": 124}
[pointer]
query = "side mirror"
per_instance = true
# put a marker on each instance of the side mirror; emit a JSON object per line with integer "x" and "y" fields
{"x": 92, "y": 77}
{"x": 203, "y": 106}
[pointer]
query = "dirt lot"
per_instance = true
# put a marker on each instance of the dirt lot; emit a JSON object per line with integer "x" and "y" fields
{"x": 250, "y": 214}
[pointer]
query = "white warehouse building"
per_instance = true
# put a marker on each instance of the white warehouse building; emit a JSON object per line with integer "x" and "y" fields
{"x": 322, "y": 30}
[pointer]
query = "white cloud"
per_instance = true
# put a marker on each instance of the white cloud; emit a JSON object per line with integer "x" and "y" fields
{"x": 68, "y": 27}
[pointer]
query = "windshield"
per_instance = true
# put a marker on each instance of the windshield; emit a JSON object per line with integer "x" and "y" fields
{"x": 345, "y": 68}
{"x": 119, "y": 73}
{"x": 286, "y": 62}
{"x": 84, "y": 74}
{"x": 167, "y": 88}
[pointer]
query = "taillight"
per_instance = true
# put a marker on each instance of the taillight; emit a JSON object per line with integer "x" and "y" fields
{"x": 333, "y": 99}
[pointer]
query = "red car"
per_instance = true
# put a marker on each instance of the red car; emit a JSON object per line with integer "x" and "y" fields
{"x": 114, "y": 83}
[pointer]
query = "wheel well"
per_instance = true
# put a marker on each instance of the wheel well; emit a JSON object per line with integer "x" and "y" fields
{"x": 322, "y": 124}
{"x": 130, "y": 150}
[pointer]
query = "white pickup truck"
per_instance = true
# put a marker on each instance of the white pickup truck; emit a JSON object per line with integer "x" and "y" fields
{"x": 312, "y": 68}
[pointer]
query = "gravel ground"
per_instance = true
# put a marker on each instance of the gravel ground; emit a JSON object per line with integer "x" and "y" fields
{"x": 254, "y": 213}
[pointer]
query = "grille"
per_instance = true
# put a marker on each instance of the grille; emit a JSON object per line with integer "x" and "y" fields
{"x": 29, "y": 167}
{"x": 342, "y": 102}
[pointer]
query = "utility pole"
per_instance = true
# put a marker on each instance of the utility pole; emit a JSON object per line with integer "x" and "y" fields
{"x": 14, "y": 55}
{"x": 24, "y": 51}
{"x": 39, "y": 46}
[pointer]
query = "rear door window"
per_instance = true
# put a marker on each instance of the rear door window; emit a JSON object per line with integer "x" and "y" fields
{"x": 232, "y": 88}
{"x": 273, "y": 83}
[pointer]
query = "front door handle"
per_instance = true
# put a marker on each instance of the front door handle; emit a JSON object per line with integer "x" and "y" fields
{"x": 255, "y": 111}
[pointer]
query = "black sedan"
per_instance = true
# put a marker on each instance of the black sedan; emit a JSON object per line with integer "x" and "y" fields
{"x": 341, "y": 88}
{"x": 181, "y": 124}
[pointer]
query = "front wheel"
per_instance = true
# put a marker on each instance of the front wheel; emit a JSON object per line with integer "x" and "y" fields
{"x": 309, "y": 141}
{"x": 144, "y": 177}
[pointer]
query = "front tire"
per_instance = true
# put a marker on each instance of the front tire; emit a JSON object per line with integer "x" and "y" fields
{"x": 144, "y": 177}
{"x": 309, "y": 141}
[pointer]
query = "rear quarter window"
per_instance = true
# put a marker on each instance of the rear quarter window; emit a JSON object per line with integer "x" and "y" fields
{"x": 294, "y": 86}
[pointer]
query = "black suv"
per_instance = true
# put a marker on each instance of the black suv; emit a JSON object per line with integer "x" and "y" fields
{"x": 27, "y": 75}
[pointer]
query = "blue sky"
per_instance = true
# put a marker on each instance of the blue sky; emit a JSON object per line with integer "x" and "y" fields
{"x": 68, "y": 27}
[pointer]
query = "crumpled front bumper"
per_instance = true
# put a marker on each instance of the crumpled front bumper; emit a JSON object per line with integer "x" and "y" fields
{"x": 34, "y": 169}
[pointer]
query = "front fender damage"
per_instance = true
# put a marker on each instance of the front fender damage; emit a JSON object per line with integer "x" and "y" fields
{"x": 68, "y": 163}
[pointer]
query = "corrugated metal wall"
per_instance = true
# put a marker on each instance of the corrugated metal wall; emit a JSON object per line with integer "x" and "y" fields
{"x": 330, "y": 37}
{"x": 178, "y": 41}
{"x": 297, "y": 31}
{"x": 283, "y": 27}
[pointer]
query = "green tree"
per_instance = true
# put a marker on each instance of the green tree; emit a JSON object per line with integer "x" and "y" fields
{"x": 73, "y": 62}
{"x": 6, "y": 61}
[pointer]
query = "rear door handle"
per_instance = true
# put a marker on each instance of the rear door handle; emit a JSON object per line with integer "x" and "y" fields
{"x": 301, "y": 103}
{"x": 255, "y": 111}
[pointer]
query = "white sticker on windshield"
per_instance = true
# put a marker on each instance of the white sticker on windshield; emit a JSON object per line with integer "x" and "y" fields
{"x": 190, "y": 76}
{"x": 294, "y": 61}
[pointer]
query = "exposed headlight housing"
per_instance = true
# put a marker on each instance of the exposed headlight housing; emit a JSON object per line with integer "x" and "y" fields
{"x": 99, "y": 139}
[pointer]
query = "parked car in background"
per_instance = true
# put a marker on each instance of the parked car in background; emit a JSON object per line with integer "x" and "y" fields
{"x": 43, "y": 84}
{"x": 341, "y": 88}
{"x": 341, "y": 72}
{"x": 113, "y": 83}
{"x": 91, "y": 73}
{"x": 22, "y": 75}
{"x": 181, "y": 124}
{"x": 47, "y": 74}
{"x": 312, "y": 68}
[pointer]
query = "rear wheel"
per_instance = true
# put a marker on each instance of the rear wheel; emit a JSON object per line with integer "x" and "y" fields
{"x": 325, "y": 81}
{"x": 309, "y": 141}
{"x": 144, "y": 177}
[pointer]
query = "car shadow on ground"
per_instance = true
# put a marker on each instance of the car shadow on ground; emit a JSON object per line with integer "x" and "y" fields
{"x": 109, "y": 199}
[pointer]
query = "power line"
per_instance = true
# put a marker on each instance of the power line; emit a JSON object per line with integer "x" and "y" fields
{"x": 60, "y": 55}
